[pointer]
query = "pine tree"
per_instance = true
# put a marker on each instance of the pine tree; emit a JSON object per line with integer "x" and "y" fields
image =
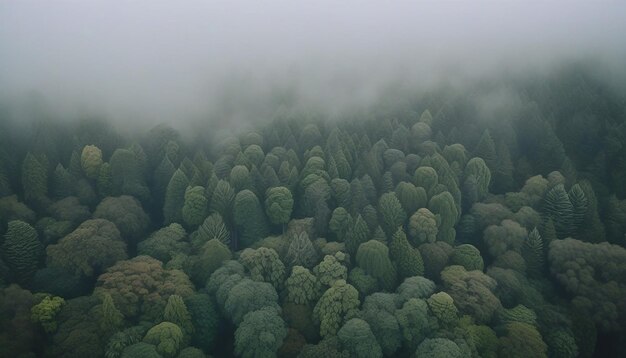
{"x": 175, "y": 198}
{"x": 533, "y": 254}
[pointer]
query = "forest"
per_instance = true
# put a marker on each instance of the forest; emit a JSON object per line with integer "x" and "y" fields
{"x": 413, "y": 228}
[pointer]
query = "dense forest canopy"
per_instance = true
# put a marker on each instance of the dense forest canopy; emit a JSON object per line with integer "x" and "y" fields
{"x": 421, "y": 226}
{"x": 337, "y": 179}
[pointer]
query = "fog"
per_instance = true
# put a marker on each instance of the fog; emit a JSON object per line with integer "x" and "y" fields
{"x": 145, "y": 62}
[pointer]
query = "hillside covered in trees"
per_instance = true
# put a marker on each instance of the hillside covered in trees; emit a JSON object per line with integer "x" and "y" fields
{"x": 424, "y": 225}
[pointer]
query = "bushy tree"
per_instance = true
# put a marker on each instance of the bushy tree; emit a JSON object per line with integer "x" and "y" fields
{"x": 249, "y": 218}
{"x": 414, "y": 321}
{"x": 330, "y": 269}
{"x": 379, "y": 312}
{"x": 391, "y": 212}
{"x": 21, "y": 251}
{"x": 373, "y": 258}
{"x": 248, "y": 296}
{"x": 467, "y": 256}
{"x": 89, "y": 250}
{"x": 359, "y": 234}
{"x": 45, "y": 311}
{"x": 194, "y": 208}
{"x": 91, "y": 160}
{"x": 471, "y": 292}
{"x": 204, "y": 318}
{"x": 175, "y": 197}
{"x": 167, "y": 337}
{"x": 422, "y": 227}
{"x": 521, "y": 340}
{"x": 438, "y": 348}
{"x": 260, "y": 334}
{"x": 340, "y": 223}
{"x": 443, "y": 205}
{"x": 337, "y": 305}
{"x": 127, "y": 215}
{"x": 593, "y": 274}
{"x": 416, "y": 287}
{"x": 140, "y": 286}
{"x": 357, "y": 338}
{"x": 165, "y": 243}
{"x": 302, "y": 286}
{"x": 509, "y": 235}
{"x": 210, "y": 258}
{"x": 264, "y": 265}
{"x": 407, "y": 260}
{"x": 278, "y": 205}
{"x": 411, "y": 198}
{"x": 176, "y": 312}
{"x": 443, "y": 308}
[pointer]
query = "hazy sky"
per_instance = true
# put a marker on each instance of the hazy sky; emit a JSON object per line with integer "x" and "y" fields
{"x": 170, "y": 61}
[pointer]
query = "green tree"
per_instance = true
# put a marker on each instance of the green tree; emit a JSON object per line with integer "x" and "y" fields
{"x": 213, "y": 227}
{"x": 110, "y": 319}
{"x": 177, "y": 313}
{"x": 391, "y": 212}
{"x": 330, "y": 270}
{"x": 212, "y": 254}
{"x": 127, "y": 214}
{"x": 443, "y": 205}
{"x": 411, "y": 198}
{"x": 438, "y": 348}
{"x": 194, "y": 208}
{"x": 558, "y": 207}
{"x": 413, "y": 320}
{"x": 407, "y": 260}
{"x": 379, "y": 312}
{"x": 301, "y": 251}
{"x": 140, "y": 286}
{"x": 165, "y": 243}
{"x": 302, "y": 286}
{"x": 340, "y": 223}
{"x": 533, "y": 253}
{"x": 167, "y": 337}
{"x": 357, "y": 338}
{"x": 93, "y": 247}
{"x": 521, "y": 340}
{"x": 34, "y": 179}
{"x": 359, "y": 234}
{"x": 264, "y": 265}
{"x": 486, "y": 149}
{"x": 249, "y": 218}
{"x": 468, "y": 256}
{"x": 175, "y": 197}
{"x": 247, "y": 296}
{"x": 278, "y": 205}
{"x": 91, "y": 160}
{"x": 45, "y": 311}
{"x": 373, "y": 258}
{"x": 422, "y": 227}
{"x": 337, "y": 305}
{"x": 205, "y": 320}
{"x": 260, "y": 334}
{"x": 21, "y": 250}
{"x": 104, "y": 182}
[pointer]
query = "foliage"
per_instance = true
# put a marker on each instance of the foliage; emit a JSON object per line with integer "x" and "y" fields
{"x": 127, "y": 215}
{"x": 167, "y": 337}
{"x": 278, "y": 204}
{"x": 21, "y": 250}
{"x": 45, "y": 311}
{"x": 337, "y": 305}
{"x": 165, "y": 243}
{"x": 356, "y": 337}
{"x": 260, "y": 334}
{"x": 373, "y": 258}
{"x": 140, "y": 286}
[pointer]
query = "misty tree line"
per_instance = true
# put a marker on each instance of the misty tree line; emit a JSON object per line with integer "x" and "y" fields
{"x": 414, "y": 229}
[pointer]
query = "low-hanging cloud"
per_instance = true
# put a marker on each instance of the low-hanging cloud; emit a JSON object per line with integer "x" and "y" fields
{"x": 148, "y": 62}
